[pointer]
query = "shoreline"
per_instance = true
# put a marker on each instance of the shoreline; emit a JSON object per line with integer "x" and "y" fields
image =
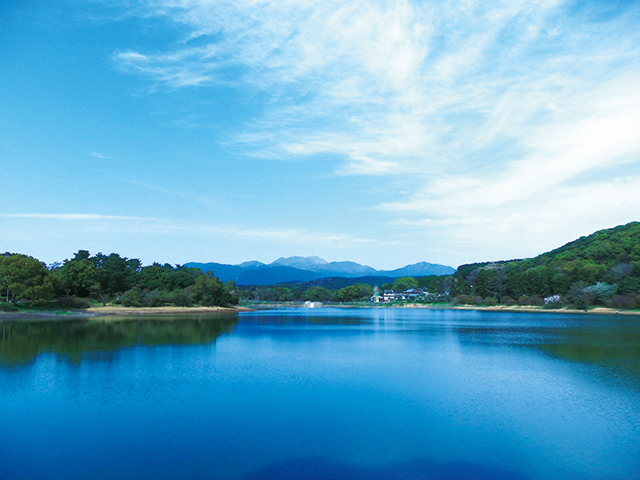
{"x": 534, "y": 309}
{"x": 119, "y": 311}
{"x": 480, "y": 308}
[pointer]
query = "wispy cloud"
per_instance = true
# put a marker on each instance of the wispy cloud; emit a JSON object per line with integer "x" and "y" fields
{"x": 99, "y": 155}
{"x": 68, "y": 216}
{"x": 580, "y": 170}
{"x": 513, "y": 113}
{"x": 164, "y": 227}
{"x": 409, "y": 85}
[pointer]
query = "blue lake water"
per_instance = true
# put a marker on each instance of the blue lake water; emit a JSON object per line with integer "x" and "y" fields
{"x": 322, "y": 393}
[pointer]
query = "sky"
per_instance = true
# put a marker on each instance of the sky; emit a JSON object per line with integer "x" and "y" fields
{"x": 381, "y": 132}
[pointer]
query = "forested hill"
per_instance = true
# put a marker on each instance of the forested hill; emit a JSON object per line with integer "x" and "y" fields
{"x": 607, "y": 248}
{"x": 600, "y": 269}
{"x": 592, "y": 270}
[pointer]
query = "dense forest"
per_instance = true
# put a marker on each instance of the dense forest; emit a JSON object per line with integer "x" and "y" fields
{"x": 107, "y": 278}
{"x": 340, "y": 290}
{"x": 600, "y": 269}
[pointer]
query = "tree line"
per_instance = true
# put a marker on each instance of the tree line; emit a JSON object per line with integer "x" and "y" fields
{"x": 600, "y": 269}
{"x": 77, "y": 281}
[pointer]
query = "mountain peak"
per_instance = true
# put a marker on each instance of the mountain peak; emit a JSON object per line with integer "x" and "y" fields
{"x": 251, "y": 264}
{"x": 299, "y": 262}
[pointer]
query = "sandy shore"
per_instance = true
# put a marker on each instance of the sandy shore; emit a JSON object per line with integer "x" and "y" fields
{"x": 125, "y": 311}
{"x": 113, "y": 311}
{"x": 526, "y": 308}
{"x": 481, "y": 308}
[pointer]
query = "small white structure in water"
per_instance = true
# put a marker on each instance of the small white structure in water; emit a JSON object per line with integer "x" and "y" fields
{"x": 309, "y": 304}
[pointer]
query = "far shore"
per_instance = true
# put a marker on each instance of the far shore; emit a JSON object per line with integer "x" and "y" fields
{"x": 441, "y": 306}
{"x": 120, "y": 311}
{"x": 113, "y": 310}
{"x": 529, "y": 308}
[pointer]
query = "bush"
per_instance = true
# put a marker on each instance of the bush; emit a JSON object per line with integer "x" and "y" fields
{"x": 154, "y": 298}
{"x": 73, "y": 302}
{"x": 581, "y": 303}
{"x": 524, "y": 300}
{"x": 537, "y": 300}
{"x": 600, "y": 292}
{"x": 182, "y": 297}
{"x": 463, "y": 300}
{"x": 8, "y": 307}
{"x": 629, "y": 301}
{"x": 490, "y": 301}
{"x": 506, "y": 300}
{"x": 131, "y": 298}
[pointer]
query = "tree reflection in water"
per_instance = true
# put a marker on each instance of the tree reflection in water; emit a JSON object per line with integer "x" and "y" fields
{"x": 78, "y": 340}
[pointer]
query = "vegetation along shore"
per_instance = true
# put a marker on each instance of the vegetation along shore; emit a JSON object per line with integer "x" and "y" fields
{"x": 597, "y": 272}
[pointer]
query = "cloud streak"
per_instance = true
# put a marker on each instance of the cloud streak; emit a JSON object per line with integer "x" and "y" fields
{"x": 166, "y": 227}
{"x": 507, "y": 110}
{"x": 408, "y": 84}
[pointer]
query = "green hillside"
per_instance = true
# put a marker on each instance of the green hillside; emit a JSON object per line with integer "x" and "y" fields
{"x": 600, "y": 269}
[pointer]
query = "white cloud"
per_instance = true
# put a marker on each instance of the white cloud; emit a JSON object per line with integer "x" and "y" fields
{"x": 410, "y": 82}
{"x": 513, "y": 112}
{"x": 120, "y": 224}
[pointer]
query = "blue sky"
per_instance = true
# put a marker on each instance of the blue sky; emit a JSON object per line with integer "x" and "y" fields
{"x": 383, "y": 132}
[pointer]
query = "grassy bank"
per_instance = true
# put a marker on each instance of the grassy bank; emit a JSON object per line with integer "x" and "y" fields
{"x": 444, "y": 306}
{"x": 48, "y": 313}
{"x": 43, "y": 313}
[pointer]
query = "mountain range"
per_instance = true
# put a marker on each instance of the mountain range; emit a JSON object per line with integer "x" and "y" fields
{"x": 304, "y": 269}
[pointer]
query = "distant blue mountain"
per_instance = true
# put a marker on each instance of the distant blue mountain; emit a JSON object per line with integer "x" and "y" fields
{"x": 418, "y": 269}
{"x": 276, "y": 274}
{"x": 305, "y": 269}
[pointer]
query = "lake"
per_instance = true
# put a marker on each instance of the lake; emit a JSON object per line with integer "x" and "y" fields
{"x": 379, "y": 393}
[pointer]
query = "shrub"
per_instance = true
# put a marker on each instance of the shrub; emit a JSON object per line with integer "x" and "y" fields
{"x": 524, "y": 300}
{"x": 182, "y": 297}
{"x": 629, "y": 301}
{"x": 537, "y": 300}
{"x": 581, "y": 303}
{"x": 8, "y": 307}
{"x": 600, "y": 292}
{"x": 74, "y": 302}
{"x": 464, "y": 300}
{"x": 490, "y": 301}
{"x": 506, "y": 300}
{"x": 154, "y": 298}
{"x": 131, "y": 298}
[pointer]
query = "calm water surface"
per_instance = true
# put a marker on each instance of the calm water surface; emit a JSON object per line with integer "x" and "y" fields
{"x": 322, "y": 393}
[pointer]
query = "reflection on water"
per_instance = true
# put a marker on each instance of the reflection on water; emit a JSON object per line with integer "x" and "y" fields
{"x": 416, "y": 469}
{"x": 611, "y": 342}
{"x": 75, "y": 340}
{"x": 323, "y": 393}
{"x": 615, "y": 346}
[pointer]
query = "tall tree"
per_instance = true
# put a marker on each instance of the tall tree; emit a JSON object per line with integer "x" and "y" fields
{"x": 24, "y": 278}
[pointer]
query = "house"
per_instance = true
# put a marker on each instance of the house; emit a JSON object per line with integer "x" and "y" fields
{"x": 412, "y": 294}
{"x": 389, "y": 295}
{"x": 392, "y": 295}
